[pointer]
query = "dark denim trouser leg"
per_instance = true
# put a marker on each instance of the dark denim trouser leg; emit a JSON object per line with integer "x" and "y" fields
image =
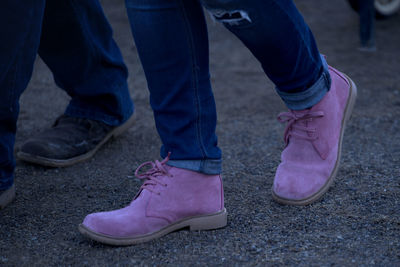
{"x": 78, "y": 47}
{"x": 171, "y": 38}
{"x": 20, "y": 34}
{"x": 172, "y": 42}
{"x": 367, "y": 23}
{"x": 275, "y": 32}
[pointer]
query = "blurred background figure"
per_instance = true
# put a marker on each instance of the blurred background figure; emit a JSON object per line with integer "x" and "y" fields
{"x": 367, "y": 25}
{"x": 368, "y": 10}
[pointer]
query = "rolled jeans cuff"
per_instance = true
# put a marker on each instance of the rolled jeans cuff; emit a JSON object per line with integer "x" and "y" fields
{"x": 206, "y": 166}
{"x": 311, "y": 96}
{"x": 74, "y": 111}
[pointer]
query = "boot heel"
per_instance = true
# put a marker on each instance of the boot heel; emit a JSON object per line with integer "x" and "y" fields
{"x": 209, "y": 222}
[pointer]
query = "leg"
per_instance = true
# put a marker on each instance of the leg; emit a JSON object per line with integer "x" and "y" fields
{"x": 275, "y": 32}
{"x": 17, "y": 54}
{"x": 78, "y": 47}
{"x": 185, "y": 191}
{"x": 367, "y": 25}
{"x": 319, "y": 97}
{"x": 179, "y": 81}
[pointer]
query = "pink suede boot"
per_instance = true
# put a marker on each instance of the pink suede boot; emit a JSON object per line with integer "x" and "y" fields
{"x": 169, "y": 199}
{"x": 313, "y": 138}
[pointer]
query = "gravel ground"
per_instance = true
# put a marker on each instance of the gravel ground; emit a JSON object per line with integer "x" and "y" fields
{"x": 356, "y": 223}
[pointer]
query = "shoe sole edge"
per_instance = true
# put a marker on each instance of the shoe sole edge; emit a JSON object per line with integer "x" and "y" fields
{"x": 71, "y": 161}
{"x": 196, "y": 223}
{"x": 316, "y": 196}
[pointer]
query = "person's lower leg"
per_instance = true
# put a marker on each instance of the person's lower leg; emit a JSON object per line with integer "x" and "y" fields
{"x": 319, "y": 97}
{"x": 275, "y": 32}
{"x": 367, "y": 25}
{"x": 185, "y": 189}
{"x": 78, "y": 47}
{"x": 178, "y": 79}
{"x": 21, "y": 34}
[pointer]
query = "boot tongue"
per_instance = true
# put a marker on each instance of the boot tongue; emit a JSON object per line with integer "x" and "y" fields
{"x": 167, "y": 167}
{"x": 319, "y": 144}
{"x": 142, "y": 195}
{"x": 152, "y": 177}
{"x": 301, "y": 113}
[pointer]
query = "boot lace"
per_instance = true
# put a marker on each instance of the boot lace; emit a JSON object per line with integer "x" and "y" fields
{"x": 297, "y": 125}
{"x": 150, "y": 176}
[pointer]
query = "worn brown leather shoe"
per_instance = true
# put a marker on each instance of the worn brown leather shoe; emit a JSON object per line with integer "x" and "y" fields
{"x": 69, "y": 141}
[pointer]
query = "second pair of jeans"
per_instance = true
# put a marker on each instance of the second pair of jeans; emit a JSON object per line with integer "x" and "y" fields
{"x": 75, "y": 40}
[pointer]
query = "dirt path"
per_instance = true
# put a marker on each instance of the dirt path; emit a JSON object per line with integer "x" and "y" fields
{"x": 356, "y": 223}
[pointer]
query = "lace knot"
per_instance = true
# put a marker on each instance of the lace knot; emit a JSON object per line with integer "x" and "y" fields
{"x": 150, "y": 176}
{"x": 298, "y": 122}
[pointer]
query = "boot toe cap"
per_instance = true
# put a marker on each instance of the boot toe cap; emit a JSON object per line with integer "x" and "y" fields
{"x": 294, "y": 185}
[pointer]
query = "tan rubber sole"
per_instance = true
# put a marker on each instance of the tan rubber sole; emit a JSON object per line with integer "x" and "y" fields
{"x": 347, "y": 114}
{"x": 71, "y": 161}
{"x": 7, "y": 197}
{"x": 204, "y": 222}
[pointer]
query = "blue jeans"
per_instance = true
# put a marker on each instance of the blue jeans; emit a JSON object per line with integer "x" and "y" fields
{"x": 75, "y": 40}
{"x": 171, "y": 38}
{"x": 367, "y": 23}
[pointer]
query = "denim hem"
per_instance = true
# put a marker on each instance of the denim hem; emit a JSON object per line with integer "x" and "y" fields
{"x": 206, "y": 166}
{"x": 81, "y": 112}
{"x": 310, "y": 97}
